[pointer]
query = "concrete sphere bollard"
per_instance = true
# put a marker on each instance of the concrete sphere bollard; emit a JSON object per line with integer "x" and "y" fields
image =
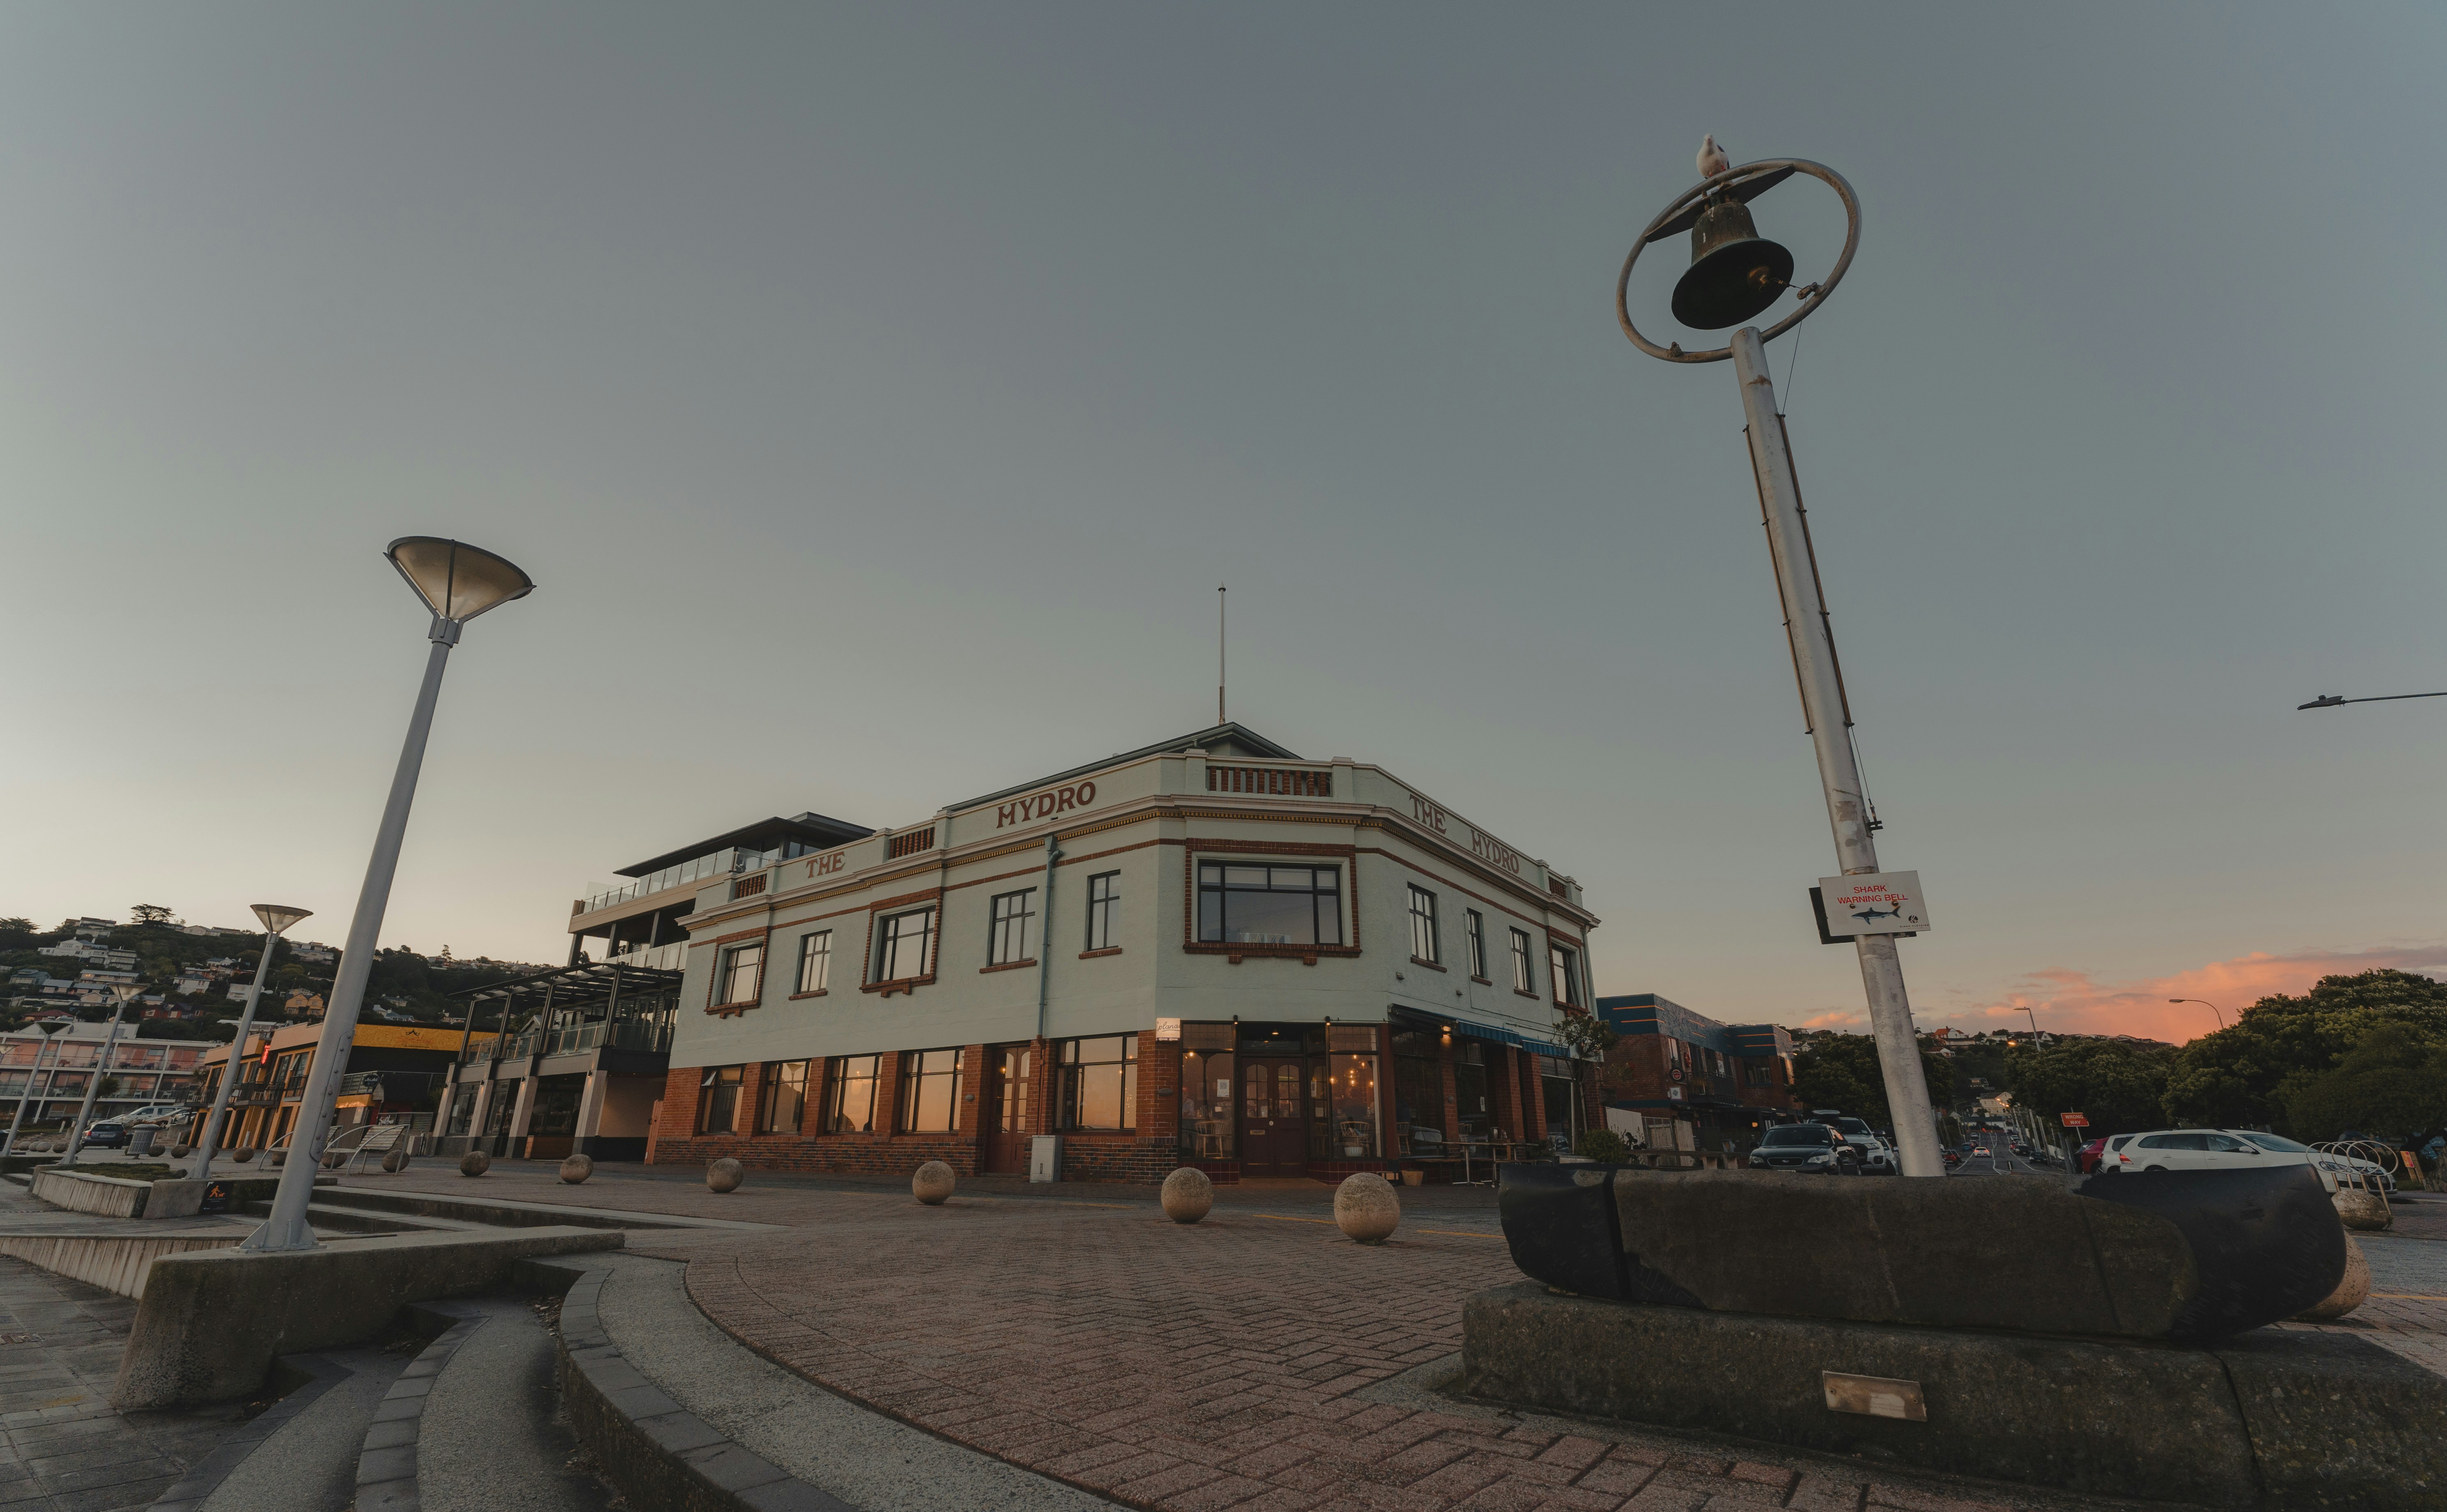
{"x": 2351, "y": 1292}
{"x": 177, "y": 1152}
{"x": 725, "y": 1174}
{"x": 242, "y": 1154}
{"x": 475, "y": 1163}
{"x": 932, "y": 1183}
{"x": 396, "y": 1160}
{"x": 576, "y": 1168}
{"x": 334, "y": 1159}
{"x": 276, "y": 1159}
{"x": 2364, "y": 1210}
{"x": 1188, "y": 1196}
{"x": 1366, "y": 1208}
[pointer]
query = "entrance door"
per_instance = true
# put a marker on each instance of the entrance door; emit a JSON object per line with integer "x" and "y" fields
{"x": 1273, "y": 1136}
{"x": 1004, "y": 1117}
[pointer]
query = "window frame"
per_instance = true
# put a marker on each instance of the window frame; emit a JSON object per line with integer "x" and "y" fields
{"x": 1104, "y": 903}
{"x": 1562, "y": 966}
{"x": 885, "y": 941}
{"x": 1009, "y": 914}
{"x": 1071, "y": 1066}
{"x": 838, "y": 1079}
{"x": 1525, "y": 970}
{"x": 1475, "y": 942}
{"x": 727, "y": 972}
{"x": 815, "y": 947}
{"x": 917, "y": 1068}
{"x": 770, "y": 1082}
{"x": 1424, "y": 929}
{"x": 1322, "y": 902}
{"x": 713, "y": 1078}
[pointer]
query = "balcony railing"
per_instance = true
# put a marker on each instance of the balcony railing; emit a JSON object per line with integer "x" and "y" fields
{"x": 909, "y": 842}
{"x": 657, "y": 957}
{"x": 721, "y": 863}
{"x": 1283, "y": 782}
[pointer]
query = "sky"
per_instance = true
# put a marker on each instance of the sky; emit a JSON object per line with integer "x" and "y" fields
{"x": 878, "y": 395}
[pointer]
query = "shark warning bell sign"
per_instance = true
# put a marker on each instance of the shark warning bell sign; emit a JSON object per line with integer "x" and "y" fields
{"x": 1877, "y": 903}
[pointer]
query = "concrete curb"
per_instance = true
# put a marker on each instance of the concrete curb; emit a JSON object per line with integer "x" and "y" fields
{"x": 657, "y": 1452}
{"x": 387, "y": 1462}
{"x": 191, "y": 1491}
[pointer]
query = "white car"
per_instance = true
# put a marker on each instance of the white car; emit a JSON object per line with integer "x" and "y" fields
{"x": 158, "y": 1114}
{"x": 2216, "y": 1149}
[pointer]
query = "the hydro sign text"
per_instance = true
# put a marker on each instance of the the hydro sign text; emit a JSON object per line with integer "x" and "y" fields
{"x": 1045, "y": 806}
{"x": 1485, "y": 846}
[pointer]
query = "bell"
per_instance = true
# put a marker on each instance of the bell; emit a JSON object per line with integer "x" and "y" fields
{"x": 1735, "y": 271}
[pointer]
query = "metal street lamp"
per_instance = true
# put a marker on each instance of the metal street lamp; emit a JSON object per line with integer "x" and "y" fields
{"x": 1735, "y": 276}
{"x": 9, "y": 1145}
{"x": 457, "y": 582}
{"x": 278, "y": 919}
{"x": 2205, "y": 1003}
{"x": 124, "y": 993}
{"x": 2332, "y": 701}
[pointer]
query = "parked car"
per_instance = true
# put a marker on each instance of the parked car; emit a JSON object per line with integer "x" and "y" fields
{"x": 2086, "y": 1158}
{"x": 1877, "y": 1157}
{"x": 108, "y": 1134}
{"x": 1808, "y": 1149}
{"x": 2212, "y": 1149}
{"x": 158, "y": 1114}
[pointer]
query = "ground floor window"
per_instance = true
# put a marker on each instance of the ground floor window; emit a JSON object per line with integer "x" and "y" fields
{"x": 555, "y": 1114}
{"x": 783, "y": 1093}
{"x": 1206, "y": 1105}
{"x": 496, "y": 1112}
{"x": 1477, "y": 1109}
{"x": 717, "y": 1100}
{"x": 1342, "y": 1125}
{"x": 849, "y": 1106}
{"x": 463, "y": 1108}
{"x": 1562, "y": 1092}
{"x": 1100, "y": 1083}
{"x": 1418, "y": 1094}
{"x": 930, "y": 1091}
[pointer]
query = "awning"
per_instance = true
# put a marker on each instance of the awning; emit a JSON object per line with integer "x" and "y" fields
{"x": 1484, "y": 1031}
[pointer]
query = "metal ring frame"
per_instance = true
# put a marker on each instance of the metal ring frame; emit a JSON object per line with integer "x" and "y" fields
{"x": 1699, "y": 192}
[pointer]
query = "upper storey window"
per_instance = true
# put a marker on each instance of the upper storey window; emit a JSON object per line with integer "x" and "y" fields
{"x": 1269, "y": 905}
{"x": 900, "y": 945}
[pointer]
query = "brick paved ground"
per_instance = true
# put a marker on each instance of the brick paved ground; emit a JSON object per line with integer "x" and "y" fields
{"x": 63, "y": 1448}
{"x": 1246, "y": 1363}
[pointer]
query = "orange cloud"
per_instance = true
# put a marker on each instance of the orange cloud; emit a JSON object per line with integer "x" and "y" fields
{"x": 2071, "y": 1002}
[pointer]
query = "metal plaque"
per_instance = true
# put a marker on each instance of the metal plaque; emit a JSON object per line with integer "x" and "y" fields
{"x": 1875, "y": 1396}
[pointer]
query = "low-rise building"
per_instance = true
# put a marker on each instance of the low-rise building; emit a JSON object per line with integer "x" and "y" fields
{"x": 141, "y": 1072}
{"x": 395, "y": 1072}
{"x": 1209, "y": 951}
{"x": 1679, "y": 1080}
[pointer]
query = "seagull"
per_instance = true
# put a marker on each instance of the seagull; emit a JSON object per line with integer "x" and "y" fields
{"x": 1712, "y": 158}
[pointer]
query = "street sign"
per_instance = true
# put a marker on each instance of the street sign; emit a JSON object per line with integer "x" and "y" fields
{"x": 1874, "y": 903}
{"x": 2073, "y": 1121}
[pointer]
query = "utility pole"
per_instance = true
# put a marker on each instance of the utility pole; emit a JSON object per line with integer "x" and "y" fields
{"x": 1218, "y": 656}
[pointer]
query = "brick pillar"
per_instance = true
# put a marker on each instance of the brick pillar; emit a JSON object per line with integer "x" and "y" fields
{"x": 1533, "y": 1088}
{"x": 679, "y": 1104}
{"x": 751, "y": 1098}
{"x": 1505, "y": 1087}
{"x": 1040, "y": 1087}
{"x": 811, "y": 1118}
{"x": 887, "y": 1094}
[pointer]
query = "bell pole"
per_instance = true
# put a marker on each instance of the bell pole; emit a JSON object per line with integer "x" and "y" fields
{"x": 1823, "y": 706}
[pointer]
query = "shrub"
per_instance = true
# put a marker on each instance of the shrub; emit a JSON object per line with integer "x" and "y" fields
{"x": 1603, "y": 1146}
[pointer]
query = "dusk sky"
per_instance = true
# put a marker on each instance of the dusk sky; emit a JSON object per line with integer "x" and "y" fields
{"x": 879, "y": 393}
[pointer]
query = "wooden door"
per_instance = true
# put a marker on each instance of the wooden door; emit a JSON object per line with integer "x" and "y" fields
{"x": 1274, "y": 1134}
{"x": 1004, "y": 1117}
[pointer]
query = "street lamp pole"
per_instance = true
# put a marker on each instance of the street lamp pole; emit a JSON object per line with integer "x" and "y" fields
{"x": 1735, "y": 276}
{"x": 48, "y": 1032}
{"x": 276, "y": 921}
{"x": 457, "y": 582}
{"x": 2205, "y": 1003}
{"x": 124, "y": 993}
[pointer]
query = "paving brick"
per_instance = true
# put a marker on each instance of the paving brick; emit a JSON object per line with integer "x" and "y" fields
{"x": 1914, "y": 1499}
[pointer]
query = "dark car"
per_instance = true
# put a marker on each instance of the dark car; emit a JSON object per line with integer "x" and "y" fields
{"x": 1808, "y": 1149}
{"x": 106, "y": 1136}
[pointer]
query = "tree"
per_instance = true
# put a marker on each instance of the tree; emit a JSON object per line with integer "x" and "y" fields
{"x": 2392, "y": 1085}
{"x": 152, "y": 914}
{"x": 1842, "y": 1071}
{"x": 2119, "y": 1086}
{"x": 2238, "y": 1077}
{"x": 19, "y": 934}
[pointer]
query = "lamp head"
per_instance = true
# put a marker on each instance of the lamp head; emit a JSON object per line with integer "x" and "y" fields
{"x": 277, "y": 917}
{"x": 124, "y": 992}
{"x": 456, "y": 580}
{"x": 1735, "y": 271}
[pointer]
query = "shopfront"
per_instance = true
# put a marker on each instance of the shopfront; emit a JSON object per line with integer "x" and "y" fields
{"x": 1281, "y": 1101}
